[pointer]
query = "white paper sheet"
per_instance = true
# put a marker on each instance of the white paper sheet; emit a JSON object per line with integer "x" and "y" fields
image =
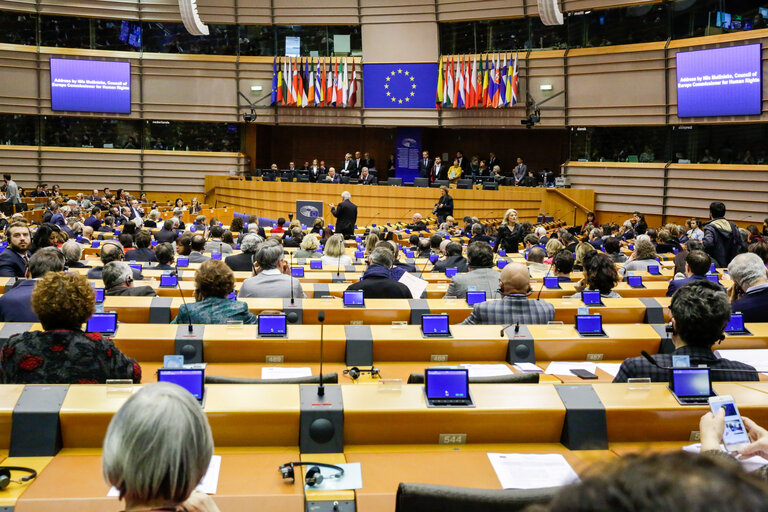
{"x": 208, "y": 484}
{"x": 487, "y": 370}
{"x": 755, "y": 357}
{"x": 610, "y": 368}
{"x": 532, "y": 471}
{"x": 280, "y": 372}
{"x": 417, "y": 285}
{"x": 352, "y": 478}
{"x": 528, "y": 367}
{"x": 564, "y": 367}
{"x": 750, "y": 464}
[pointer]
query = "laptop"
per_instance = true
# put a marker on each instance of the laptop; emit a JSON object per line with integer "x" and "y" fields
{"x": 654, "y": 270}
{"x": 447, "y": 387}
{"x": 135, "y": 266}
{"x": 691, "y": 386}
{"x": 475, "y": 298}
{"x": 354, "y": 299}
{"x": 591, "y": 298}
{"x": 297, "y": 271}
{"x": 191, "y": 379}
{"x": 552, "y": 283}
{"x": 450, "y": 272}
{"x": 590, "y": 326}
{"x": 104, "y": 323}
{"x": 169, "y": 280}
{"x": 735, "y": 326}
{"x": 435, "y": 326}
{"x": 182, "y": 262}
{"x": 501, "y": 263}
{"x": 635, "y": 282}
{"x": 316, "y": 264}
{"x": 99, "y": 292}
{"x": 272, "y": 326}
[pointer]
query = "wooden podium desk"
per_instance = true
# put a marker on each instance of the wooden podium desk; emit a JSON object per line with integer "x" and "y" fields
{"x": 615, "y": 311}
{"x": 563, "y": 343}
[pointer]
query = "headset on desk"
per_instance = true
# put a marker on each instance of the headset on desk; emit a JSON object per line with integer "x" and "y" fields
{"x": 314, "y": 477}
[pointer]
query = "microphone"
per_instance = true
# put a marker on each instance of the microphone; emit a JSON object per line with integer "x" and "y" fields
{"x": 542, "y": 279}
{"x": 504, "y": 329}
{"x": 338, "y": 266}
{"x": 651, "y": 360}
{"x": 181, "y": 292}
{"x": 292, "y": 299}
{"x": 321, "y": 319}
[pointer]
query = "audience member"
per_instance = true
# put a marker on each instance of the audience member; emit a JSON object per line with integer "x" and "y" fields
{"x": 16, "y": 303}
{"x": 700, "y": 312}
{"x": 478, "y": 234}
{"x": 13, "y": 260}
{"x": 118, "y": 280}
{"x": 599, "y": 275}
{"x": 346, "y": 215}
{"x": 216, "y": 244}
{"x": 536, "y": 255}
{"x": 761, "y": 249}
{"x": 612, "y": 247}
{"x": 453, "y": 259}
{"x": 553, "y": 247}
{"x": 643, "y": 256}
{"x": 696, "y": 267}
{"x": 62, "y": 353}
{"x": 72, "y": 252}
{"x": 197, "y": 246}
{"x": 167, "y": 234}
{"x": 514, "y": 306}
{"x": 334, "y": 254}
{"x": 417, "y": 223}
{"x": 243, "y": 262}
{"x": 214, "y": 281}
{"x": 722, "y": 239}
{"x": 399, "y": 267}
{"x": 481, "y": 275}
{"x": 750, "y": 289}
{"x": 563, "y": 265}
{"x": 376, "y": 282}
{"x": 510, "y": 233}
{"x": 694, "y": 232}
{"x": 111, "y": 251}
{"x": 582, "y": 251}
{"x": 272, "y": 277}
{"x": 142, "y": 252}
{"x": 165, "y": 257}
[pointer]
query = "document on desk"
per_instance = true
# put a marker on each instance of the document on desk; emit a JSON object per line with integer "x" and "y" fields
{"x": 532, "y": 471}
{"x": 415, "y": 284}
{"x": 564, "y": 368}
{"x": 528, "y": 367}
{"x": 611, "y": 369}
{"x": 280, "y": 372}
{"x": 749, "y": 464}
{"x": 487, "y": 370}
{"x": 208, "y": 484}
{"x": 755, "y": 357}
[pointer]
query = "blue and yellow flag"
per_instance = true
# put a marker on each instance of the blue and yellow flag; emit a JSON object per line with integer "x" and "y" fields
{"x": 405, "y": 85}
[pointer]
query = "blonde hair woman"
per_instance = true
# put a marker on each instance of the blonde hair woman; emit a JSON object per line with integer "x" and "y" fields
{"x": 335, "y": 254}
{"x": 552, "y": 247}
{"x": 510, "y": 234}
{"x": 454, "y": 172}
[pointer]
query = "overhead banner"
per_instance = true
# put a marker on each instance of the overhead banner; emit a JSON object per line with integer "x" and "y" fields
{"x": 400, "y": 86}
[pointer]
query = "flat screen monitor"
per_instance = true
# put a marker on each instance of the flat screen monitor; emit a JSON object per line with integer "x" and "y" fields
{"x": 691, "y": 382}
{"x": 447, "y": 383}
{"x": 90, "y": 86}
{"x": 354, "y": 298}
{"x": 297, "y": 271}
{"x": 105, "y": 323}
{"x": 475, "y": 298}
{"x": 99, "y": 292}
{"x": 551, "y": 282}
{"x": 589, "y": 324}
{"x": 435, "y": 325}
{"x": 193, "y": 380}
{"x": 169, "y": 280}
{"x": 272, "y": 325}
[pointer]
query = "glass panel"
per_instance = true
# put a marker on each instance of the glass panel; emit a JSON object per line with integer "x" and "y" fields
{"x": 626, "y": 25}
{"x": 312, "y": 38}
{"x": 727, "y": 144}
{"x": 17, "y": 129}
{"x": 546, "y": 36}
{"x": 90, "y": 132}
{"x": 18, "y": 28}
{"x": 174, "y": 38}
{"x": 64, "y": 31}
{"x": 181, "y": 136}
{"x": 257, "y": 40}
{"x": 457, "y": 38}
{"x": 620, "y": 144}
{"x": 692, "y": 18}
{"x": 355, "y": 39}
{"x": 118, "y": 35}
{"x": 506, "y": 35}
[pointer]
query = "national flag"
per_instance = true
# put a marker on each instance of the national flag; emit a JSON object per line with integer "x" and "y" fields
{"x": 280, "y": 98}
{"x": 353, "y": 87}
{"x": 460, "y": 87}
{"x": 467, "y": 90}
{"x": 503, "y": 84}
{"x": 486, "y": 72}
{"x": 274, "y": 82}
{"x": 440, "y": 85}
{"x": 496, "y": 83}
{"x": 318, "y": 85}
{"x": 491, "y": 83}
{"x": 344, "y": 85}
{"x": 336, "y": 89}
{"x": 329, "y": 86}
{"x": 295, "y": 96}
{"x": 449, "y": 77}
{"x": 513, "y": 84}
{"x": 473, "y": 92}
{"x": 311, "y": 84}
{"x": 301, "y": 96}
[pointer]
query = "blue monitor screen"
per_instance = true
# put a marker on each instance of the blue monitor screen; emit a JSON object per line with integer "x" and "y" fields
{"x": 189, "y": 379}
{"x": 359, "y": 254}
{"x": 168, "y": 280}
{"x": 450, "y": 272}
{"x": 714, "y": 278}
{"x": 182, "y": 262}
{"x": 501, "y": 263}
{"x": 95, "y": 244}
{"x": 316, "y": 265}
{"x": 736, "y": 323}
{"x": 719, "y": 81}
{"x": 353, "y": 298}
{"x": 216, "y": 255}
{"x": 99, "y": 295}
{"x": 135, "y": 266}
{"x": 691, "y": 381}
{"x": 102, "y": 322}
{"x": 475, "y": 298}
{"x": 272, "y": 324}
{"x": 447, "y": 383}
{"x": 653, "y": 269}
{"x": 589, "y": 324}
{"x": 434, "y": 324}
{"x": 297, "y": 271}
{"x": 90, "y": 86}
{"x": 551, "y": 282}
{"x": 409, "y": 254}
{"x": 712, "y": 268}
{"x": 635, "y": 281}
{"x": 591, "y": 297}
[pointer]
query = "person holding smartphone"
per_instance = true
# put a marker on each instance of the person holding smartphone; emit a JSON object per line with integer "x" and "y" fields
{"x": 712, "y": 427}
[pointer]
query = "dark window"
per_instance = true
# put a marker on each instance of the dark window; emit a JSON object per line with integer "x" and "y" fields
{"x": 183, "y": 136}
{"x": 174, "y": 38}
{"x": 625, "y": 25}
{"x": 257, "y": 40}
{"x": 727, "y": 144}
{"x": 90, "y": 132}
{"x": 620, "y": 144}
{"x": 65, "y": 31}
{"x": 709, "y": 17}
{"x": 18, "y": 129}
{"x": 18, "y": 28}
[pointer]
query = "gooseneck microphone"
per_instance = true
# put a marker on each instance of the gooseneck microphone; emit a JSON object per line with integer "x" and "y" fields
{"x": 321, "y": 319}
{"x": 538, "y": 295}
{"x": 291, "y": 274}
{"x": 181, "y": 292}
{"x": 504, "y": 329}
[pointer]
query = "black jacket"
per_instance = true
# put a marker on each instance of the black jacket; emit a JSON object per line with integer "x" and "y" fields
{"x": 133, "y": 291}
{"x": 507, "y": 239}
{"x": 753, "y": 305}
{"x": 164, "y": 236}
{"x": 376, "y": 284}
{"x": 11, "y": 264}
{"x": 145, "y": 254}
{"x": 346, "y": 216}
{"x": 721, "y": 243}
{"x": 458, "y": 262}
{"x": 242, "y": 262}
{"x": 444, "y": 206}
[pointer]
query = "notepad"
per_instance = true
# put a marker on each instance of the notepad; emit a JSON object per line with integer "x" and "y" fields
{"x": 532, "y": 471}
{"x": 281, "y": 372}
{"x": 487, "y": 370}
{"x": 565, "y": 367}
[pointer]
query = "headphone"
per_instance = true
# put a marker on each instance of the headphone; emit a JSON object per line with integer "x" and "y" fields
{"x": 671, "y": 330}
{"x": 355, "y": 372}
{"x": 313, "y": 477}
{"x": 5, "y": 475}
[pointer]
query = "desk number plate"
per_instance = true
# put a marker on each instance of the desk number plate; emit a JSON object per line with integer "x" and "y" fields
{"x": 453, "y": 439}
{"x": 275, "y": 359}
{"x": 438, "y": 358}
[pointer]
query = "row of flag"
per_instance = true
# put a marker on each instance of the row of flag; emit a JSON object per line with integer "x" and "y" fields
{"x": 300, "y": 82}
{"x": 465, "y": 84}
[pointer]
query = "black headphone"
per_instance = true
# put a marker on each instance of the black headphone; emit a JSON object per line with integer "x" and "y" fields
{"x": 355, "y": 372}
{"x": 5, "y": 475}
{"x": 313, "y": 477}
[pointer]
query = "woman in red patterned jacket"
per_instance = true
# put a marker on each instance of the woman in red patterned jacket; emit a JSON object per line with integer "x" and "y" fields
{"x": 63, "y": 353}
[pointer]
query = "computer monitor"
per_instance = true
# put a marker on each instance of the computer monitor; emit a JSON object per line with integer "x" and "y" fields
{"x": 354, "y": 299}
{"x": 591, "y": 298}
{"x": 99, "y": 293}
{"x": 182, "y": 262}
{"x": 475, "y": 298}
{"x": 297, "y": 271}
{"x": 169, "y": 280}
{"x": 450, "y": 272}
{"x": 447, "y": 386}
{"x": 191, "y": 379}
{"x": 589, "y": 325}
{"x": 316, "y": 264}
{"x": 551, "y": 282}
{"x": 272, "y": 326}
{"x": 104, "y": 323}
{"x": 435, "y": 326}
{"x": 635, "y": 281}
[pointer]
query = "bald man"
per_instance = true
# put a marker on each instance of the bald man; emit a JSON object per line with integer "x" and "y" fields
{"x": 514, "y": 306}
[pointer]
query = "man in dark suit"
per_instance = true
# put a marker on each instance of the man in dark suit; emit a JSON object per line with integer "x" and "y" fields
{"x": 92, "y": 220}
{"x": 165, "y": 257}
{"x": 314, "y": 171}
{"x": 696, "y": 268}
{"x": 167, "y": 234}
{"x": 749, "y": 274}
{"x": 366, "y": 178}
{"x": 111, "y": 251}
{"x": 439, "y": 171}
{"x": 72, "y": 251}
{"x": 349, "y": 167}
{"x": 417, "y": 223}
{"x": 16, "y": 303}
{"x": 243, "y": 262}
{"x": 376, "y": 282}
{"x": 346, "y": 215}
{"x": 493, "y": 161}
{"x": 358, "y": 160}
{"x": 463, "y": 163}
{"x": 14, "y": 259}
{"x": 142, "y": 240}
{"x": 367, "y": 161}
{"x": 700, "y": 312}
{"x": 453, "y": 259}
{"x": 118, "y": 280}
{"x": 425, "y": 164}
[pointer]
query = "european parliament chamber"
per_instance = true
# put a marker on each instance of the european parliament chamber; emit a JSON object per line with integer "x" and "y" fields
{"x": 350, "y": 255}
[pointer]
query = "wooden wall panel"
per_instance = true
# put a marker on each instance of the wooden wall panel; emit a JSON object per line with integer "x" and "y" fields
{"x": 88, "y": 168}
{"x": 18, "y": 5}
{"x": 186, "y": 171}
{"x": 620, "y": 187}
{"x": 21, "y": 163}
{"x": 399, "y": 11}
{"x": 582, "y": 5}
{"x": 18, "y": 86}
{"x": 385, "y": 42}
{"x": 120, "y": 9}
{"x": 315, "y": 12}
{"x": 457, "y": 10}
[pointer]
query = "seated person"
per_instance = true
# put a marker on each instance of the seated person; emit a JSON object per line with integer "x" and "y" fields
{"x": 599, "y": 274}
{"x": 118, "y": 280}
{"x": 332, "y": 177}
{"x": 562, "y": 265}
{"x": 272, "y": 277}
{"x": 696, "y": 268}
{"x": 453, "y": 259}
{"x": 62, "y": 353}
{"x": 413, "y": 243}
{"x": 72, "y": 252}
{"x": 293, "y": 238}
{"x": 514, "y": 306}
{"x": 552, "y": 247}
{"x": 196, "y": 248}
{"x": 700, "y": 312}
{"x": 536, "y": 255}
{"x": 582, "y": 251}
{"x": 612, "y": 247}
{"x": 750, "y": 290}
{"x": 162, "y": 427}
{"x": 376, "y": 282}
{"x": 243, "y": 262}
{"x": 142, "y": 252}
{"x": 335, "y": 253}
{"x": 307, "y": 247}
{"x": 643, "y": 256}
{"x": 111, "y": 251}
{"x": 417, "y": 223}
{"x": 167, "y": 234}
{"x": 165, "y": 257}
{"x": 596, "y": 238}
{"x": 16, "y": 303}
{"x": 214, "y": 281}
{"x": 216, "y": 244}
{"x": 478, "y": 234}
{"x": 398, "y": 267}
{"x": 482, "y": 276}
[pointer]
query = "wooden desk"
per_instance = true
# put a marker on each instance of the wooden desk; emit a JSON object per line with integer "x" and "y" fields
{"x": 9, "y": 395}
{"x": 563, "y": 343}
{"x": 615, "y": 311}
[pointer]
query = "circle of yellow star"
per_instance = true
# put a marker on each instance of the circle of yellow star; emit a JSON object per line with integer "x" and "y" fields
{"x": 393, "y": 100}
{"x": 399, "y": 71}
{"x": 387, "y": 79}
{"x": 393, "y": 73}
{"x": 386, "y": 86}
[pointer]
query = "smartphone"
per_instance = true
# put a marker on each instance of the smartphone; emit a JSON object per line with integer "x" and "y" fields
{"x": 735, "y": 434}
{"x": 583, "y": 374}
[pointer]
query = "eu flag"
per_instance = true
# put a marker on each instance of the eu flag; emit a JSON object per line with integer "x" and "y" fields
{"x": 400, "y": 85}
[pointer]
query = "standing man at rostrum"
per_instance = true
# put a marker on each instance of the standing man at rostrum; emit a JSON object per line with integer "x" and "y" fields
{"x": 346, "y": 215}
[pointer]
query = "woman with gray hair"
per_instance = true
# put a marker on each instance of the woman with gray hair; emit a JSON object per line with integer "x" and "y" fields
{"x": 643, "y": 256}
{"x": 308, "y": 247}
{"x": 157, "y": 448}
